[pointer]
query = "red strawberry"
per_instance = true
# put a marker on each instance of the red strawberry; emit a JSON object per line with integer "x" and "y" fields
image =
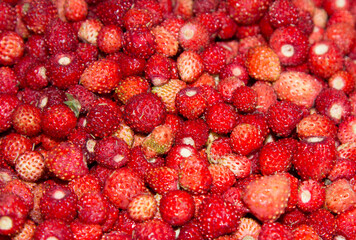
{"x": 323, "y": 222}
{"x": 50, "y": 96}
{"x": 346, "y": 224}
{"x": 239, "y": 165}
{"x": 59, "y": 202}
{"x": 157, "y": 69}
{"x": 193, "y": 132}
{"x": 217, "y": 217}
{"x": 311, "y": 195}
{"x": 178, "y": 153}
{"x": 139, "y": 42}
{"x": 339, "y": 196}
{"x": 87, "y": 52}
{"x": 282, "y": 13}
{"x": 347, "y": 130}
{"x": 343, "y": 35}
{"x": 162, "y": 179}
{"x": 342, "y": 80}
{"x": 27, "y": 232}
{"x": 103, "y": 118}
{"x": 9, "y": 81}
{"x": 218, "y": 148}
{"x": 78, "y": 93}
{"x": 277, "y": 156}
{"x": 316, "y": 125}
{"x": 30, "y": 166}
{"x": 116, "y": 235}
{"x": 144, "y": 112}
{"x": 236, "y": 69}
{"x": 75, "y": 10}
{"x": 155, "y": 228}
{"x": 84, "y": 184}
{"x": 325, "y": 59}
{"x": 57, "y": 121}
{"x": 158, "y": 142}
{"x": 101, "y": 76}
{"x": 315, "y": 157}
{"x": 137, "y": 17}
{"x": 37, "y": 76}
{"x": 53, "y": 228}
{"x": 246, "y": 138}
{"x": 190, "y": 231}
{"x": 27, "y": 120}
{"x": 244, "y": 99}
{"x": 269, "y": 230}
{"x": 13, "y": 213}
{"x": 248, "y": 227}
{"x": 60, "y": 37}
{"x": 347, "y": 150}
{"x": 262, "y": 63}
{"x": 89, "y": 30}
{"x": 266, "y": 95}
{"x": 166, "y": 43}
{"x": 131, "y": 86}
{"x": 334, "y": 104}
{"x": 142, "y": 207}
{"x": 332, "y": 6}
{"x": 12, "y": 48}
{"x": 183, "y": 9}
{"x": 223, "y": 178}
{"x": 193, "y": 36}
{"x": 190, "y": 66}
{"x": 8, "y": 17}
{"x": 227, "y": 86}
{"x": 66, "y": 161}
{"x": 177, "y": 207}
{"x": 121, "y": 186}
{"x": 304, "y": 231}
{"x": 112, "y": 12}
{"x": 221, "y": 118}
{"x": 283, "y": 117}
{"x": 83, "y": 231}
{"x": 247, "y": 13}
{"x": 12, "y": 146}
{"x": 214, "y": 59}
{"x": 293, "y": 218}
{"x": 36, "y": 46}
{"x": 92, "y": 208}
{"x": 190, "y": 102}
{"x": 110, "y": 39}
{"x": 343, "y": 168}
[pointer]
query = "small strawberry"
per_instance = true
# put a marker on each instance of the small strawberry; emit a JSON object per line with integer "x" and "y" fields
{"x": 75, "y": 10}
{"x": 110, "y": 39}
{"x": 158, "y": 69}
{"x": 342, "y": 80}
{"x": 347, "y": 130}
{"x": 248, "y": 227}
{"x": 92, "y": 208}
{"x": 223, "y": 178}
{"x": 166, "y": 43}
{"x": 316, "y": 125}
{"x": 12, "y": 48}
{"x": 193, "y": 36}
{"x": 214, "y": 58}
{"x": 304, "y": 231}
{"x": 236, "y": 69}
{"x": 137, "y": 17}
{"x": 143, "y": 112}
{"x": 112, "y": 12}
{"x": 343, "y": 168}
{"x": 262, "y": 63}
{"x": 101, "y": 76}
{"x": 139, "y": 42}
{"x": 293, "y": 218}
{"x": 282, "y": 13}
{"x": 66, "y": 161}
{"x": 190, "y": 66}
{"x": 323, "y": 222}
{"x": 12, "y": 146}
{"x": 190, "y": 231}
{"x": 343, "y": 35}
{"x": 347, "y": 150}
{"x": 162, "y": 179}
{"x": 8, "y": 17}
{"x": 36, "y": 46}
{"x": 178, "y": 153}
{"x": 221, "y": 118}
{"x": 30, "y": 166}
{"x": 142, "y": 207}
{"x": 266, "y": 95}
{"x": 59, "y": 202}
{"x": 53, "y": 228}
{"x": 84, "y": 97}
{"x": 311, "y": 195}
{"x": 247, "y": 13}
{"x": 190, "y": 102}
{"x": 155, "y": 228}
{"x": 121, "y": 186}
{"x": 27, "y": 232}
{"x": 83, "y": 231}
{"x": 227, "y": 86}
{"x": 158, "y": 142}
{"x": 244, "y": 99}
{"x": 87, "y": 52}
{"x": 37, "y": 76}
{"x": 346, "y": 224}
{"x": 247, "y": 43}
{"x": 339, "y": 196}
{"x": 26, "y": 120}
{"x": 269, "y": 230}
{"x": 246, "y": 138}
{"x": 315, "y": 157}
{"x": 267, "y": 197}
{"x": 193, "y": 132}
{"x": 9, "y": 81}
{"x": 239, "y": 165}
{"x": 217, "y": 217}
{"x": 89, "y": 30}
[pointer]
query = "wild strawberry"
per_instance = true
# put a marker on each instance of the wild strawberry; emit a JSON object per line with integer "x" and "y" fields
{"x": 111, "y": 218}
{"x": 323, "y": 222}
{"x": 245, "y": 13}
{"x": 217, "y": 217}
{"x": 110, "y": 39}
{"x": 346, "y": 131}
{"x": 158, "y": 142}
{"x": 9, "y": 81}
{"x": 315, "y": 157}
{"x": 84, "y": 97}
{"x": 112, "y": 12}
{"x": 58, "y": 120}
{"x": 190, "y": 102}
{"x": 316, "y": 125}
{"x": 247, "y": 43}
{"x": 332, "y": 6}
{"x": 227, "y": 86}
{"x": 142, "y": 207}
{"x": 22, "y": 190}
{"x": 174, "y": 122}
{"x": 166, "y": 43}
{"x": 304, "y": 231}
{"x": 176, "y": 207}
{"x": 12, "y": 48}
{"x": 346, "y": 224}
{"x": 293, "y": 218}
{"x": 58, "y": 202}
{"x": 84, "y": 184}
{"x": 282, "y": 13}
{"x": 111, "y": 152}
{"x": 212, "y": 22}
{"x": 190, "y": 66}
{"x": 246, "y": 138}
{"x": 30, "y": 166}
{"x": 138, "y": 118}
{"x": 184, "y": 9}
{"x": 248, "y": 227}
{"x": 89, "y": 30}
{"x": 64, "y": 69}
{"x": 223, "y": 178}
{"x": 101, "y": 76}
{"x": 239, "y": 165}
{"x": 262, "y": 63}
{"x": 157, "y": 69}
{"x": 342, "y": 80}
{"x": 244, "y": 99}
{"x": 343, "y": 35}
{"x": 334, "y": 104}
{"x": 218, "y": 148}
{"x": 83, "y": 231}
{"x": 290, "y": 44}
{"x": 131, "y": 86}
{"x": 60, "y": 37}
{"x": 75, "y": 10}
{"x": 267, "y": 197}
{"x": 193, "y": 36}
{"x": 137, "y": 17}
{"x": 87, "y": 52}
{"x": 139, "y": 42}
{"x": 268, "y": 230}
{"x": 36, "y": 46}
{"x": 234, "y": 69}
{"x": 214, "y": 59}
{"x": 266, "y": 95}
{"x": 178, "y": 154}
{"x": 38, "y": 14}
{"x": 37, "y": 76}
{"x": 53, "y": 228}
{"x": 26, "y": 120}
{"x": 8, "y": 17}
{"x": 92, "y": 208}
{"x": 154, "y": 228}
{"x": 27, "y": 232}
{"x": 162, "y": 179}
{"x": 121, "y": 186}
{"x": 12, "y": 146}
{"x": 324, "y": 59}
{"x": 311, "y": 195}
{"x": 339, "y": 196}
{"x": 221, "y": 118}
{"x": 13, "y": 213}
{"x": 193, "y": 132}
{"x": 341, "y": 16}
{"x": 66, "y": 161}
{"x": 343, "y": 168}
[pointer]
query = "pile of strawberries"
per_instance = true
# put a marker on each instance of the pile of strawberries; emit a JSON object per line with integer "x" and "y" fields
{"x": 178, "y": 119}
